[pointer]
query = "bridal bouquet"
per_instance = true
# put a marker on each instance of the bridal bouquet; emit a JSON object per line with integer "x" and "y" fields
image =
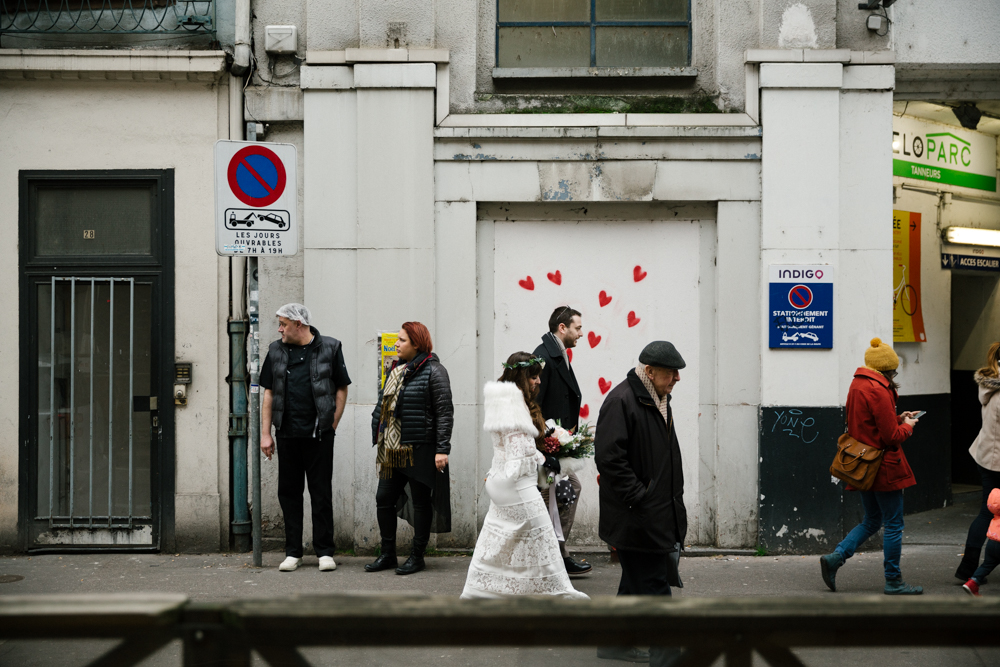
{"x": 572, "y": 449}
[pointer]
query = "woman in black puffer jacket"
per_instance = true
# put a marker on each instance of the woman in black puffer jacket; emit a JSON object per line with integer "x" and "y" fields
{"x": 411, "y": 426}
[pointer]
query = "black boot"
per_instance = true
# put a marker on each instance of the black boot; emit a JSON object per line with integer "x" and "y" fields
{"x": 386, "y": 560}
{"x": 970, "y": 561}
{"x": 415, "y": 563}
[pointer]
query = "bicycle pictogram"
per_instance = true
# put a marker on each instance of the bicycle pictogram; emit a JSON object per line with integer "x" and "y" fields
{"x": 905, "y": 295}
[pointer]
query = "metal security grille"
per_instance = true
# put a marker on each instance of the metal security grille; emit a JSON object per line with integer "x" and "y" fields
{"x": 107, "y": 16}
{"x": 94, "y": 447}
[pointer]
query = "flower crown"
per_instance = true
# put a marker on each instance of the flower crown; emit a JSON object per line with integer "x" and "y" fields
{"x": 525, "y": 364}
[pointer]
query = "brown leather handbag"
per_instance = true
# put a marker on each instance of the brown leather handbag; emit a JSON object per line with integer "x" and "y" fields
{"x": 856, "y": 463}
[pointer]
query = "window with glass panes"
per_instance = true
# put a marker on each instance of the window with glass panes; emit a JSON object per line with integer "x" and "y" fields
{"x": 593, "y": 33}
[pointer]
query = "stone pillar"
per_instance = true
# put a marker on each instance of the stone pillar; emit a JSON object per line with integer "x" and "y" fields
{"x": 369, "y": 242}
{"x": 826, "y": 199}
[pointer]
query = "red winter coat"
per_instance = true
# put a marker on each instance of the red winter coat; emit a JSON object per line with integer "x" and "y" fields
{"x": 872, "y": 419}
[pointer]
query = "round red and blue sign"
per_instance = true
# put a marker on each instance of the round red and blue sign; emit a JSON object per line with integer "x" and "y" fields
{"x": 800, "y": 297}
{"x": 256, "y": 176}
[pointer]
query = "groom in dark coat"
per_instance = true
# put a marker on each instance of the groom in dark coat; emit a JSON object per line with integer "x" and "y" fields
{"x": 559, "y": 398}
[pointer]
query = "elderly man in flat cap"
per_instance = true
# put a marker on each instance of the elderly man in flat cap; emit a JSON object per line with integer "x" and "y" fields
{"x": 642, "y": 484}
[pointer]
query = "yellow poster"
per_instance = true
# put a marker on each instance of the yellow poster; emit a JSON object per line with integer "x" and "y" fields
{"x": 907, "y": 315}
{"x": 386, "y": 354}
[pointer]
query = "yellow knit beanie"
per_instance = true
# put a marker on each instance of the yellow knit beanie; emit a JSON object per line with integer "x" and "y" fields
{"x": 880, "y": 357}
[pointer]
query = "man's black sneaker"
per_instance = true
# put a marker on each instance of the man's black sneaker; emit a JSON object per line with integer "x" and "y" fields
{"x": 576, "y": 567}
{"x": 628, "y": 654}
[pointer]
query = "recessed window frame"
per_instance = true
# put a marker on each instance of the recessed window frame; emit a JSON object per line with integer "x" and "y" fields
{"x": 593, "y": 24}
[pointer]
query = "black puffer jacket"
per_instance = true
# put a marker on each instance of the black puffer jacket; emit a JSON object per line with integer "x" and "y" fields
{"x": 642, "y": 483}
{"x": 424, "y": 406}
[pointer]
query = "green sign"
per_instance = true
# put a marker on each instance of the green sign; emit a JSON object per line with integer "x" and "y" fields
{"x": 943, "y": 154}
{"x": 942, "y": 175}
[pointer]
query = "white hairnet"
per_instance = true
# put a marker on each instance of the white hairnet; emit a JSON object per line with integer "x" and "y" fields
{"x": 295, "y": 311}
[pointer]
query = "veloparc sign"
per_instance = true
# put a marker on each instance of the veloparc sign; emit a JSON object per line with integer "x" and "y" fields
{"x": 943, "y": 154}
{"x": 800, "y": 306}
{"x": 255, "y": 199}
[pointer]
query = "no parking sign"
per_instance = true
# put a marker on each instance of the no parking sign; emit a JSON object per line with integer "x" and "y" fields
{"x": 800, "y": 308}
{"x": 255, "y": 196}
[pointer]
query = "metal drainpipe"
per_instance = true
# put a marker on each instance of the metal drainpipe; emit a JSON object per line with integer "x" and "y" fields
{"x": 241, "y": 59}
{"x": 237, "y": 327}
{"x": 238, "y": 433}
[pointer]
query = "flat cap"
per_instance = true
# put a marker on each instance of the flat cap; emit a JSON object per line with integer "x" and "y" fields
{"x": 661, "y": 353}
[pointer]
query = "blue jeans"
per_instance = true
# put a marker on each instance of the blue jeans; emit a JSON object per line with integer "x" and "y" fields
{"x": 881, "y": 508}
{"x": 989, "y": 563}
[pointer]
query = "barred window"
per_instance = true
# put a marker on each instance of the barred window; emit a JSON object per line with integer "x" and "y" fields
{"x": 593, "y": 33}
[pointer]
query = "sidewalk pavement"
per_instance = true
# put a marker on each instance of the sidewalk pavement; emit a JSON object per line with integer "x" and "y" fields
{"x": 932, "y": 544}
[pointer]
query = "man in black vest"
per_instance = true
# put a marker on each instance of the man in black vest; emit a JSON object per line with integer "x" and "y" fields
{"x": 305, "y": 390}
{"x": 559, "y": 398}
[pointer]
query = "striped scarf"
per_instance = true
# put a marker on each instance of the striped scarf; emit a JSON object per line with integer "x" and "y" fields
{"x": 662, "y": 404}
{"x": 392, "y": 453}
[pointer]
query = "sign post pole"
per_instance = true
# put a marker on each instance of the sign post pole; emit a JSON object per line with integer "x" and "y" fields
{"x": 253, "y": 303}
{"x": 253, "y": 310}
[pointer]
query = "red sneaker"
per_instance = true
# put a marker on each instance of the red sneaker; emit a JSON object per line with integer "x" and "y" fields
{"x": 972, "y": 588}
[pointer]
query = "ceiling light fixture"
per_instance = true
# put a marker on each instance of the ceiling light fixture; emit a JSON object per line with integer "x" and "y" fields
{"x": 972, "y": 236}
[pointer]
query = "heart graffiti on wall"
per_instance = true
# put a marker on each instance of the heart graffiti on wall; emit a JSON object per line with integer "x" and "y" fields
{"x": 614, "y": 303}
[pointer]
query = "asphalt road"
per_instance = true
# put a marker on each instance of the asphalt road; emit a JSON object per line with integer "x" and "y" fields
{"x": 931, "y": 552}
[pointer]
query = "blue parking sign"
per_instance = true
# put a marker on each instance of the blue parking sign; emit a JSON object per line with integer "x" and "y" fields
{"x": 800, "y": 306}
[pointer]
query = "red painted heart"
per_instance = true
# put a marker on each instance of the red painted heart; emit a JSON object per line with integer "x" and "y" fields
{"x": 527, "y": 283}
{"x": 569, "y": 355}
{"x": 604, "y": 385}
{"x": 632, "y": 319}
{"x": 555, "y": 277}
{"x": 593, "y": 339}
{"x": 637, "y": 273}
{"x": 603, "y": 298}
{"x": 584, "y": 412}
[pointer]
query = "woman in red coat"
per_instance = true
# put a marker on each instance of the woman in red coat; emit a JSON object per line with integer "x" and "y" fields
{"x": 872, "y": 419}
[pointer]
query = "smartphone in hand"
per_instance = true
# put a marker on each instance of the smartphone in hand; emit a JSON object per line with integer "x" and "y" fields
{"x": 918, "y": 415}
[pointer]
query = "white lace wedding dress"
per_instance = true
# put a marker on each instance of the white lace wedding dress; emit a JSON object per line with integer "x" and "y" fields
{"x": 517, "y": 552}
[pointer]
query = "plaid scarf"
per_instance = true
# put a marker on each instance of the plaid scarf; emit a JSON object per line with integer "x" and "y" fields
{"x": 662, "y": 404}
{"x": 392, "y": 453}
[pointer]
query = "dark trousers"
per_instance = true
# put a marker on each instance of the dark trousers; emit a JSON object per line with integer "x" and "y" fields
{"x": 301, "y": 460}
{"x": 977, "y": 531}
{"x": 386, "y": 497}
{"x": 643, "y": 573}
{"x": 647, "y": 574}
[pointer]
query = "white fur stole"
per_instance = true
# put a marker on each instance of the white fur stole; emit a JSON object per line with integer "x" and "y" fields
{"x": 506, "y": 410}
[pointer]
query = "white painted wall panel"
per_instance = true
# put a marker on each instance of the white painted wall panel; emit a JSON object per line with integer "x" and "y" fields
{"x": 331, "y": 169}
{"x": 800, "y": 190}
{"x": 666, "y": 301}
{"x": 865, "y": 172}
{"x": 736, "y": 476}
{"x": 707, "y": 181}
{"x": 395, "y": 168}
{"x": 739, "y": 290}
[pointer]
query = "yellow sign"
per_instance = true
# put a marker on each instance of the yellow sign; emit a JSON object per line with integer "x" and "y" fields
{"x": 907, "y": 315}
{"x": 386, "y": 354}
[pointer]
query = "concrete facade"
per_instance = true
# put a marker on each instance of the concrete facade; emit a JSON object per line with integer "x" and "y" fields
{"x": 428, "y": 183}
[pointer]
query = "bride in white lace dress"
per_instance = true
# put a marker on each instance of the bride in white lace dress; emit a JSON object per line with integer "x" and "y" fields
{"x": 517, "y": 552}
